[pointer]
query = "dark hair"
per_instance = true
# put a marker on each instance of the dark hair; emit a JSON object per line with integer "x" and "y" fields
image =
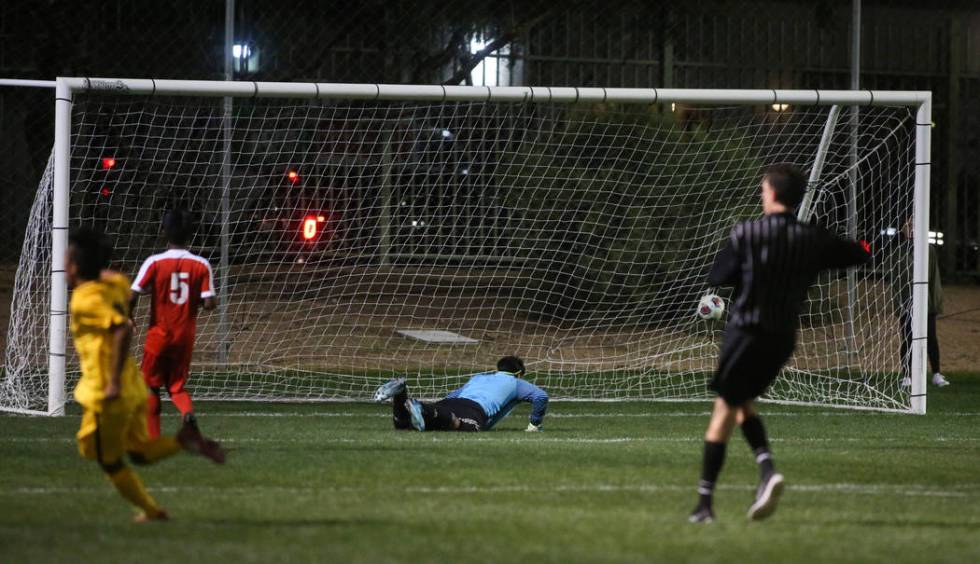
{"x": 90, "y": 251}
{"x": 787, "y": 182}
{"x": 511, "y": 364}
{"x": 178, "y": 226}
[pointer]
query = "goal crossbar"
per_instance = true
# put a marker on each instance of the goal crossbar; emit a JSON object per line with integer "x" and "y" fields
{"x": 67, "y": 88}
{"x": 541, "y": 94}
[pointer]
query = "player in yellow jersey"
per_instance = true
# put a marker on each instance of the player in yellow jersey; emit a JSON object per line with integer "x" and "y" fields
{"x": 111, "y": 390}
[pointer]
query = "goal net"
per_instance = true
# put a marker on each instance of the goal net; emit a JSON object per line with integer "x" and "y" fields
{"x": 358, "y": 240}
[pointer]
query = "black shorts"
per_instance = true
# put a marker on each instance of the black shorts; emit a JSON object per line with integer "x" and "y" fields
{"x": 749, "y": 363}
{"x": 471, "y": 416}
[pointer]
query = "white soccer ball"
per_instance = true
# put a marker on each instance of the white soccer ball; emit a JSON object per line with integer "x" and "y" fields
{"x": 711, "y": 307}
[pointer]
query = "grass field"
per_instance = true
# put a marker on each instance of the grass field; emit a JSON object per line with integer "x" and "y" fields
{"x": 604, "y": 482}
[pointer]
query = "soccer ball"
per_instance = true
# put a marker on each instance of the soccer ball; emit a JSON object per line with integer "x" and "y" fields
{"x": 711, "y": 307}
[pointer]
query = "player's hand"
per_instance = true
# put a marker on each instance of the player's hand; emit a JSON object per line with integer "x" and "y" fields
{"x": 110, "y": 392}
{"x": 532, "y": 428}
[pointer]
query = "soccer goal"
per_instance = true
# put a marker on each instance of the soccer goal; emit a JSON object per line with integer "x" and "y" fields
{"x": 359, "y": 232}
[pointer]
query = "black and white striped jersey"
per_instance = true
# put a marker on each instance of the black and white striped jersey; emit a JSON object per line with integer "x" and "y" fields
{"x": 772, "y": 262}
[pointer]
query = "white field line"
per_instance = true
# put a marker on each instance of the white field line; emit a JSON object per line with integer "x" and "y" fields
{"x": 844, "y": 488}
{"x": 563, "y": 415}
{"x": 532, "y": 439}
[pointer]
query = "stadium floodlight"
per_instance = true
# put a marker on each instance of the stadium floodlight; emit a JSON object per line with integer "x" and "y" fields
{"x": 241, "y": 51}
{"x": 582, "y": 244}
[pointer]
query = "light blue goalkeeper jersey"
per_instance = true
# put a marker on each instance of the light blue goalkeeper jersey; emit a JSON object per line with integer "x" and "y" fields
{"x": 498, "y": 393}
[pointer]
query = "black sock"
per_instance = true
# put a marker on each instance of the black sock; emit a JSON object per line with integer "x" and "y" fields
{"x": 755, "y": 435}
{"x": 399, "y": 413}
{"x": 714, "y": 458}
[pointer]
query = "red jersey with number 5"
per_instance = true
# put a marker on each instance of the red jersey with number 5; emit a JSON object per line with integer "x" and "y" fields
{"x": 179, "y": 281}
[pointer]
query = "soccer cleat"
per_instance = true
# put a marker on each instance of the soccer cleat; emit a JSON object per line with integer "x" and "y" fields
{"x": 189, "y": 438}
{"x": 212, "y": 450}
{"x": 701, "y": 514}
{"x": 767, "y": 496}
{"x": 143, "y": 517}
{"x": 389, "y": 389}
{"x": 414, "y": 408}
{"x": 192, "y": 441}
{"x": 939, "y": 380}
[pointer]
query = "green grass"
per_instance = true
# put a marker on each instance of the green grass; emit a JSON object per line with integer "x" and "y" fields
{"x": 333, "y": 483}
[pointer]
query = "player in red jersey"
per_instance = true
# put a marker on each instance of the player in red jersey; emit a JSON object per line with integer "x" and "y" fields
{"x": 180, "y": 283}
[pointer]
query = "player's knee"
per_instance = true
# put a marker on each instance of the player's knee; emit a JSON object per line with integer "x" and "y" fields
{"x": 137, "y": 458}
{"x": 112, "y": 468}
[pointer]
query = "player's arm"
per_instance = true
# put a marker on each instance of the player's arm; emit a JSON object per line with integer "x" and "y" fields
{"x": 122, "y": 336}
{"x": 538, "y": 398}
{"x": 209, "y": 300}
{"x": 726, "y": 268}
{"x": 113, "y": 315}
{"x": 133, "y": 300}
{"x": 843, "y": 253}
{"x": 143, "y": 280}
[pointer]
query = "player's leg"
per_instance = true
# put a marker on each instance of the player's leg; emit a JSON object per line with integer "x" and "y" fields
{"x": 430, "y": 417}
{"x": 153, "y": 370}
{"x": 102, "y": 438}
{"x": 397, "y": 392}
{"x": 400, "y": 417}
{"x": 715, "y": 442}
{"x": 179, "y": 370}
{"x": 933, "y": 349}
{"x": 768, "y": 357}
{"x": 727, "y": 384}
{"x": 755, "y": 434}
{"x": 905, "y": 348}
{"x": 770, "y": 482}
{"x": 153, "y": 412}
{"x": 144, "y": 449}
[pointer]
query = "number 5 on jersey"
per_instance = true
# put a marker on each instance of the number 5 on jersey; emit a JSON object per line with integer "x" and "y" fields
{"x": 179, "y": 289}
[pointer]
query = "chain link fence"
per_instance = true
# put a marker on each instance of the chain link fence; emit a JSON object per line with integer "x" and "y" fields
{"x": 620, "y": 43}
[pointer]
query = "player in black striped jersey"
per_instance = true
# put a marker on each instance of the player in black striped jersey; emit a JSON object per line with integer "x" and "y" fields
{"x": 771, "y": 262}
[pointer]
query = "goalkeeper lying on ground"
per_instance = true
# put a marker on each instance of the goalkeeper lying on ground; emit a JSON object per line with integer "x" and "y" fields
{"x": 479, "y": 405}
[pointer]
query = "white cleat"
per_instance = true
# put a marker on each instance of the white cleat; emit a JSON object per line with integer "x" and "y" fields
{"x": 767, "y": 497}
{"x": 939, "y": 380}
{"x": 389, "y": 390}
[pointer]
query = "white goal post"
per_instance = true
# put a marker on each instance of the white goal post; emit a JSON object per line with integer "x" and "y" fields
{"x": 524, "y": 140}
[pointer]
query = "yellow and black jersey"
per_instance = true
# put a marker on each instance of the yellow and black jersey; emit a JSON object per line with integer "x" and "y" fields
{"x": 96, "y": 307}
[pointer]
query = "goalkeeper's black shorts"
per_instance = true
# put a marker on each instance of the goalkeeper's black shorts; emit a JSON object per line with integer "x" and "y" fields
{"x": 749, "y": 363}
{"x": 471, "y": 416}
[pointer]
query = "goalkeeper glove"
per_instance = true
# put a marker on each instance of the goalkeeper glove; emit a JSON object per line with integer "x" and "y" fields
{"x": 532, "y": 428}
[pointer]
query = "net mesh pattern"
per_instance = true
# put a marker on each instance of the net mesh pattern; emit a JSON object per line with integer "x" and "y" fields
{"x": 576, "y": 236}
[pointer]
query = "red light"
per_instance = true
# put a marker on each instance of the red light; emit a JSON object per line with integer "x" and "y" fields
{"x": 105, "y": 192}
{"x": 108, "y": 163}
{"x": 293, "y": 176}
{"x": 309, "y": 228}
{"x": 320, "y": 218}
